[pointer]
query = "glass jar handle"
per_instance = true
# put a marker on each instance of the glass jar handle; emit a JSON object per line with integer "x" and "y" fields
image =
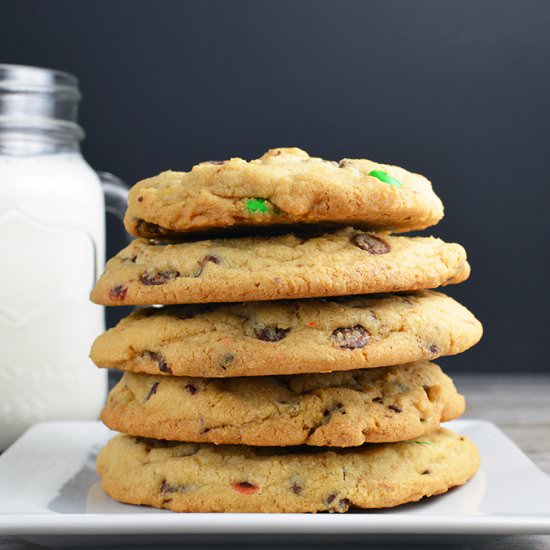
{"x": 116, "y": 194}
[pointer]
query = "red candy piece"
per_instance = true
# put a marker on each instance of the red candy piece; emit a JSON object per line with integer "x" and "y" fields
{"x": 245, "y": 488}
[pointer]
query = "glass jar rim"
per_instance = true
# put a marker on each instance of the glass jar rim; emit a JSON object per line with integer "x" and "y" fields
{"x": 23, "y": 78}
{"x": 39, "y": 100}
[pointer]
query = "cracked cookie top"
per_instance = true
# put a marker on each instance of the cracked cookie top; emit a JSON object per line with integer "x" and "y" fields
{"x": 298, "y": 265}
{"x": 284, "y": 186}
{"x": 284, "y": 337}
{"x": 340, "y": 409}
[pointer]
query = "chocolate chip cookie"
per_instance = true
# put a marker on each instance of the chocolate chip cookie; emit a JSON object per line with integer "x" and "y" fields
{"x": 341, "y": 262}
{"x": 259, "y": 338}
{"x": 199, "y": 477}
{"x": 284, "y": 186}
{"x": 340, "y": 409}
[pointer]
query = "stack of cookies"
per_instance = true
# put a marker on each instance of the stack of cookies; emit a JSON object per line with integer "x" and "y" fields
{"x": 288, "y": 369}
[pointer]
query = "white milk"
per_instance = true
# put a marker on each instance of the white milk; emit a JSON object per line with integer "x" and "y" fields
{"x": 52, "y": 224}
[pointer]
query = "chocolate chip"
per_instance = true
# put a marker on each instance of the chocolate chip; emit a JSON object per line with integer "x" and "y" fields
{"x": 330, "y": 498}
{"x": 155, "y": 356}
{"x": 296, "y": 489}
{"x": 344, "y": 503}
{"x": 335, "y": 407}
{"x": 426, "y": 472}
{"x": 434, "y": 349}
{"x": 377, "y": 400}
{"x": 271, "y": 333}
{"x": 163, "y": 367}
{"x": 395, "y": 408}
{"x": 167, "y": 488}
{"x": 371, "y": 243}
{"x": 353, "y": 337}
{"x": 152, "y": 391}
{"x": 158, "y": 278}
{"x": 118, "y": 292}
{"x": 140, "y": 199}
{"x": 191, "y": 389}
{"x": 211, "y": 258}
{"x": 226, "y": 359}
{"x": 202, "y": 263}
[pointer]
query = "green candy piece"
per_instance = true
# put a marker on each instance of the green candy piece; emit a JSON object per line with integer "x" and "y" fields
{"x": 386, "y": 178}
{"x": 257, "y": 205}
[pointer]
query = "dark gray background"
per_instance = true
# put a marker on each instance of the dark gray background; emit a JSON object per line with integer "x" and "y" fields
{"x": 459, "y": 91}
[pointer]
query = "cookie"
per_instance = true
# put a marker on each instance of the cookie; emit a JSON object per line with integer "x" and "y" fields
{"x": 284, "y": 186}
{"x": 199, "y": 477}
{"x": 341, "y": 262}
{"x": 261, "y": 338}
{"x": 340, "y": 409}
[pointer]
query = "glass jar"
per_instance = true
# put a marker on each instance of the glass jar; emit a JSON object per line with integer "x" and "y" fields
{"x": 52, "y": 245}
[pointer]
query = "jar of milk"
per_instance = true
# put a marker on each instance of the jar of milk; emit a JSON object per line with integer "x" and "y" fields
{"x": 52, "y": 235}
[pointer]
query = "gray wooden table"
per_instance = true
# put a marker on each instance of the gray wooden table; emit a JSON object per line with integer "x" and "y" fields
{"x": 519, "y": 405}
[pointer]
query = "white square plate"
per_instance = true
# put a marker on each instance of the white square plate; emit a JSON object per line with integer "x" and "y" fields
{"x": 49, "y": 486}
